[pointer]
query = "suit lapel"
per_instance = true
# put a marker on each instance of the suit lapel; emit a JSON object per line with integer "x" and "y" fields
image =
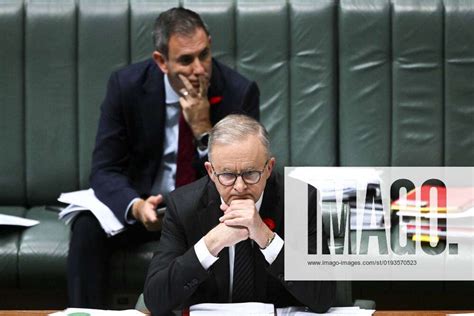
{"x": 271, "y": 209}
{"x": 216, "y": 89}
{"x": 272, "y": 204}
{"x": 153, "y": 113}
{"x": 208, "y": 219}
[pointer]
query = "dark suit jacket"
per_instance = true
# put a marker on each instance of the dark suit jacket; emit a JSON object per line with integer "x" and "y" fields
{"x": 129, "y": 143}
{"x": 177, "y": 279}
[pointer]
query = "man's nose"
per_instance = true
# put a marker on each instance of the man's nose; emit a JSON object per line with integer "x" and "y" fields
{"x": 198, "y": 67}
{"x": 239, "y": 184}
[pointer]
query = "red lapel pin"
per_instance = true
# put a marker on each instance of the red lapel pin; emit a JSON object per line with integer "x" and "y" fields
{"x": 270, "y": 223}
{"x": 215, "y": 100}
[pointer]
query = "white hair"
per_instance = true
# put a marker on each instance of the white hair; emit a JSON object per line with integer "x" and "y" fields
{"x": 237, "y": 127}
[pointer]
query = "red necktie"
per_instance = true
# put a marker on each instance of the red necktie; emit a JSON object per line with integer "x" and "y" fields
{"x": 185, "y": 173}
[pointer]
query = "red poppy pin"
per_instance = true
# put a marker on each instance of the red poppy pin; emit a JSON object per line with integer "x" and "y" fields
{"x": 270, "y": 223}
{"x": 214, "y": 100}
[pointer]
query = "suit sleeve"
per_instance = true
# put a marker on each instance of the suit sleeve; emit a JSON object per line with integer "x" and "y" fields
{"x": 319, "y": 296}
{"x": 111, "y": 156}
{"x": 175, "y": 272}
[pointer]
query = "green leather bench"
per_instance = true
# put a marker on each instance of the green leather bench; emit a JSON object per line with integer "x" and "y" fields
{"x": 348, "y": 82}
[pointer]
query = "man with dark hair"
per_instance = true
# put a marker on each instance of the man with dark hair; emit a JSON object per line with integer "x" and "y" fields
{"x": 222, "y": 235}
{"x": 152, "y": 137}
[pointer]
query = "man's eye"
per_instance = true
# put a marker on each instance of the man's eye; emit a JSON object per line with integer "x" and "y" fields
{"x": 227, "y": 175}
{"x": 204, "y": 54}
{"x": 250, "y": 174}
{"x": 185, "y": 60}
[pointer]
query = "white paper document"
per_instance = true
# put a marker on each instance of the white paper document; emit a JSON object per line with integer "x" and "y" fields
{"x": 339, "y": 182}
{"x": 334, "y": 311}
{"x": 262, "y": 309}
{"x": 86, "y": 200}
{"x": 234, "y": 309}
{"x": 96, "y": 312}
{"x": 464, "y": 214}
{"x": 9, "y": 220}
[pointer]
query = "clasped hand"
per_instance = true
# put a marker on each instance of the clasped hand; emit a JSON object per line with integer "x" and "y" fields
{"x": 242, "y": 213}
{"x": 240, "y": 221}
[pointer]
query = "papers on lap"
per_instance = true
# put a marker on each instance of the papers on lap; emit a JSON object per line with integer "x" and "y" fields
{"x": 85, "y": 200}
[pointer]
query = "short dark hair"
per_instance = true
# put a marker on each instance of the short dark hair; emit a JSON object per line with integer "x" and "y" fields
{"x": 175, "y": 21}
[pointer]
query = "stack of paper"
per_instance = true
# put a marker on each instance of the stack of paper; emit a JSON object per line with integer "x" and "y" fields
{"x": 85, "y": 200}
{"x": 96, "y": 312}
{"x": 452, "y": 214}
{"x": 262, "y": 309}
{"x": 235, "y": 309}
{"x": 333, "y": 311}
{"x": 367, "y": 219}
{"x": 450, "y": 200}
{"x": 335, "y": 182}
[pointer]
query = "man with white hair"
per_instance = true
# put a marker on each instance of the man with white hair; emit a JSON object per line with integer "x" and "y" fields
{"x": 222, "y": 235}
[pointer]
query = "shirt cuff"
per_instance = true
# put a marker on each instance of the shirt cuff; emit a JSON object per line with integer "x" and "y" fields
{"x": 271, "y": 252}
{"x": 129, "y": 219}
{"x": 204, "y": 256}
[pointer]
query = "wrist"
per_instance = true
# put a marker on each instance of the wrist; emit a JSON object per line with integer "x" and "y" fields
{"x": 265, "y": 238}
{"x": 200, "y": 128}
{"x": 269, "y": 241}
{"x": 202, "y": 141}
{"x": 136, "y": 208}
{"x": 212, "y": 245}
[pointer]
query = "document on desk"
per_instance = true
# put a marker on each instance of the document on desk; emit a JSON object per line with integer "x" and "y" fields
{"x": 333, "y": 311}
{"x": 96, "y": 312}
{"x": 234, "y": 309}
{"x": 86, "y": 200}
{"x": 9, "y": 220}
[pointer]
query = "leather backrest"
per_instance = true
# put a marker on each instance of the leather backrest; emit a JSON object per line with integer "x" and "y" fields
{"x": 349, "y": 82}
{"x": 12, "y": 126}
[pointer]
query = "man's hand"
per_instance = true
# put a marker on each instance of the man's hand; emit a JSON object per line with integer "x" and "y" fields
{"x": 243, "y": 213}
{"x": 195, "y": 105}
{"x": 145, "y": 212}
{"x": 224, "y": 236}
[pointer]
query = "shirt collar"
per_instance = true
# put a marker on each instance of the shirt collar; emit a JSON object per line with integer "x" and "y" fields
{"x": 171, "y": 95}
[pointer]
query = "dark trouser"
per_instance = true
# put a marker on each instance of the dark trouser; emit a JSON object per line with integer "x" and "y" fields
{"x": 88, "y": 259}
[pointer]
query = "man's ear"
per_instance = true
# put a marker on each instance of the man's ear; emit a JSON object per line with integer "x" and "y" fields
{"x": 160, "y": 61}
{"x": 210, "y": 173}
{"x": 271, "y": 165}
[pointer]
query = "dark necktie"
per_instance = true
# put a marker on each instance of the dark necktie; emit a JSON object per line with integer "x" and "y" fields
{"x": 185, "y": 173}
{"x": 243, "y": 289}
